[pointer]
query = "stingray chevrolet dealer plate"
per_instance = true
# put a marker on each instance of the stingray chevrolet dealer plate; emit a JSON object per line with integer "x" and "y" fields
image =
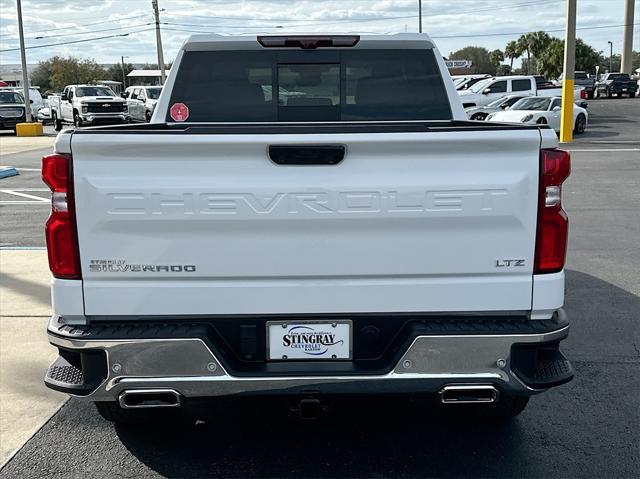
{"x": 309, "y": 340}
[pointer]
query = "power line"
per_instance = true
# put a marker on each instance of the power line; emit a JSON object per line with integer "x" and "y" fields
{"x": 220, "y": 26}
{"x": 522, "y": 33}
{"x": 360, "y": 20}
{"x": 90, "y": 32}
{"x": 77, "y": 41}
{"x": 138, "y": 15}
{"x": 439, "y": 37}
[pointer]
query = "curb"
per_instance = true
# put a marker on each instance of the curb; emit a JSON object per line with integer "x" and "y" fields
{"x": 7, "y": 172}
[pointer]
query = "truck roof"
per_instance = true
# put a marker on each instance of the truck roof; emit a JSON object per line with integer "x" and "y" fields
{"x": 251, "y": 42}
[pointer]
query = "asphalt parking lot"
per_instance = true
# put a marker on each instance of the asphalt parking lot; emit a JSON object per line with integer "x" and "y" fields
{"x": 587, "y": 428}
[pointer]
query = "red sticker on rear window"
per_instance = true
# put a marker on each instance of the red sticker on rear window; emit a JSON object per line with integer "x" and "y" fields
{"x": 179, "y": 112}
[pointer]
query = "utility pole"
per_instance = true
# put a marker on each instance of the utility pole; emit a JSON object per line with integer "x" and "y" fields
{"x": 627, "y": 43}
{"x": 25, "y": 74}
{"x": 124, "y": 75}
{"x": 156, "y": 13}
{"x": 610, "y": 57}
{"x": 420, "y": 16}
{"x": 566, "y": 118}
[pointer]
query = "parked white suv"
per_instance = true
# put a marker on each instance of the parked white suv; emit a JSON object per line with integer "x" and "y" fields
{"x": 142, "y": 101}
{"x": 87, "y": 104}
{"x": 491, "y": 89}
{"x": 362, "y": 237}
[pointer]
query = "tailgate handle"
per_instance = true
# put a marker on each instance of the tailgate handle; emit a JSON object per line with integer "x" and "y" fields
{"x": 306, "y": 154}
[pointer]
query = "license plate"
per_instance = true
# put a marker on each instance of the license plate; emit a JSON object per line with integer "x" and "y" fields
{"x": 624, "y": 89}
{"x": 309, "y": 340}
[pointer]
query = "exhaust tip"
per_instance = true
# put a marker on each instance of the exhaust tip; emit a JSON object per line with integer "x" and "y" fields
{"x": 149, "y": 398}
{"x": 469, "y": 394}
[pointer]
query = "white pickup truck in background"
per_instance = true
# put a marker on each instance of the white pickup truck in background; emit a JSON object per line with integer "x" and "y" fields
{"x": 490, "y": 89}
{"x": 307, "y": 216}
{"x": 87, "y": 105}
{"x": 141, "y": 101}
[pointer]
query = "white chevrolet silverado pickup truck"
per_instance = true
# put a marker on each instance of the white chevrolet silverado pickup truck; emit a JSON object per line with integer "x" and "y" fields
{"x": 323, "y": 221}
{"x": 87, "y": 105}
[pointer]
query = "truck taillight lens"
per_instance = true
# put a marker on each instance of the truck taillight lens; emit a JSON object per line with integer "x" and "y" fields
{"x": 60, "y": 230}
{"x": 583, "y": 94}
{"x": 553, "y": 224}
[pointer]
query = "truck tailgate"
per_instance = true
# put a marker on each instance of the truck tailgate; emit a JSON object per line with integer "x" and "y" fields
{"x": 173, "y": 223}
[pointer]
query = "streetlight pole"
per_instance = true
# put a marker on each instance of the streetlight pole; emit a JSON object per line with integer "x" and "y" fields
{"x": 156, "y": 13}
{"x": 566, "y": 117}
{"x": 420, "y": 16}
{"x": 124, "y": 75}
{"x": 25, "y": 74}
{"x": 610, "y": 57}
{"x": 627, "y": 43}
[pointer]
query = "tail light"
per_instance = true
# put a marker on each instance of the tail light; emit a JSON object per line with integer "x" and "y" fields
{"x": 553, "y": 224}
{"x": 583, "y": 94}
{"x": 60, "y": 230}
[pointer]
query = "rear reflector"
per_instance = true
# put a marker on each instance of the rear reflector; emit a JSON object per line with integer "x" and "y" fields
{"x": 60, "y": 229}
{"x": 553, "y": 224}
{"x": 308, "y": 42}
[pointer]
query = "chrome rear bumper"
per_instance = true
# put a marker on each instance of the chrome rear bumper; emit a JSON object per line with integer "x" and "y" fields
{"x": 190, "y": 367}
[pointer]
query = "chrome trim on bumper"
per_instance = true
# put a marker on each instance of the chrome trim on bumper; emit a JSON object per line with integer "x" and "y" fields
{"x": 190, "y": 368}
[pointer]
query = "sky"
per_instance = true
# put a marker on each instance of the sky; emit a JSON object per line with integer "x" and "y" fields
{"x": 452, "y": 23}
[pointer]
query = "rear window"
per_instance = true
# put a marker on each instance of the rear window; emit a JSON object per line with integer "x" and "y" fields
{"x": 580, "y": 76}
{"x": 310, "y": 86}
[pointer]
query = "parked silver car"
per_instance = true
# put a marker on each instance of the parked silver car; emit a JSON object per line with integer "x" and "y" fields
{"x": 481, "y": 112}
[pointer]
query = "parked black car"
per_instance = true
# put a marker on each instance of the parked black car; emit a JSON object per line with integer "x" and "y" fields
{"x": 616, "y": 84}
{"x": 12, "y": 110}
{"x": 583, "y": 80}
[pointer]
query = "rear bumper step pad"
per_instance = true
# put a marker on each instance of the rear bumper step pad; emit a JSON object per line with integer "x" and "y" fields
{"x": 107, "y": 359}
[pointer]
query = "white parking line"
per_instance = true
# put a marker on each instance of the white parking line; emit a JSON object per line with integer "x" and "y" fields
{"x": 24, "y": 189}
{"x": 36, "y": 199}
{"x": 29, "y": 169}
{"x": 602, "y": 150}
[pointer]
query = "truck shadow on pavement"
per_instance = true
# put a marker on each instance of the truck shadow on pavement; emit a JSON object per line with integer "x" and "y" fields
{"x": 389, "y": 436}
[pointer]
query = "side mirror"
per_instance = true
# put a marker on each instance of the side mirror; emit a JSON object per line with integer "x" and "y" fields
{"x": 124, "y": 95}
{"x": 64, "y": 97}
{"x": 556, "y": 108}
{"x": 486, "y": 91}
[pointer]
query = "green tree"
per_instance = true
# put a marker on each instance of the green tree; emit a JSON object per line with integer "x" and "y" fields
{"x": 551, "y": 61}
{"x": 534, "y": 44}
{"x": 512, "y": 51}
{"x": 503, "y": 70}
{"x": 41, "y": 75}
{"x": 56, "y": 72}
{"x": 114, "y": 72}
{"x": 496, "y": 57}
{"x": 524, "y": 45}
{"x": 480, "y": 57}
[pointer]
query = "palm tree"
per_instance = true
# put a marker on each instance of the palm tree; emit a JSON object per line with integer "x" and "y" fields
{"x": 524, "y": 45}
{"x": 496, "y": 57}
{"x": 512, "y": 51}
{"x": 538, "y": 43}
